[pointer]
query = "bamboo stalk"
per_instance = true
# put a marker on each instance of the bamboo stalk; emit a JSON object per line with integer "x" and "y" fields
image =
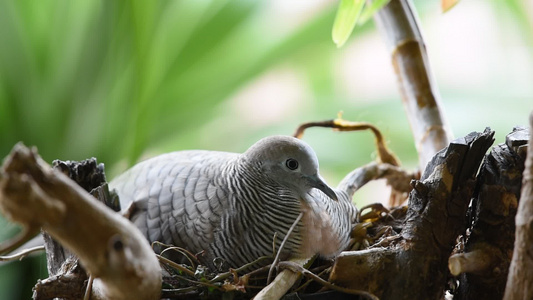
{"x": 398, "y": 24}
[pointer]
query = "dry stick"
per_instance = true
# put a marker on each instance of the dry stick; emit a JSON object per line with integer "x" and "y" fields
{"x": 274, "y": 239}
{"x": 299, "y": 269}
{"x": 398, "y": 24}
{"x": 225, "y": 275}
{"x": 178, "y": 249}
{"x": 520, "y": 278}
{"x": 180, "y": 290}
{"x": 112, "y": 248}
{"x": 303, "y": 286}
{"x": 282, "y": 245}
{"x": 207, "y": 284}
{"x": 397, "y": 178}
{"x": 375, "y": 207}
{"x": 21, "y": 254}
{"x": 181, "y": 251}
{"x": 89, "y": 288}
{"x": 258, "y": 271}
{"x": 384, "y": 154}
{"x": 175, "y": 265}
{"x": 188, "y": 291}
{"x": 218, "y": 278}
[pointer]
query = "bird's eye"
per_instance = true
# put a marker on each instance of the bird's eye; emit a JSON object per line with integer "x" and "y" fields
{"x": 291, "y": 163}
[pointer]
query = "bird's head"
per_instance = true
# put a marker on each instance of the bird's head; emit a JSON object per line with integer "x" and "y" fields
{"x": 290, "y": 162}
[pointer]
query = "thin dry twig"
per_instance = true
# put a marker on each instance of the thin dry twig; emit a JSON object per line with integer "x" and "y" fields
{"x": 188, "y": 291}
{"x": 377, "y": 210}
{"x": 299, "y": 269}
{"x": 226, "y": 275}
{"x": 308, "y": 282}
{"x": 200, "y": 283}
{"x": 186, "y": 253}
{"x": 89, "y": 288}
{"x": 21, "y": 254}
{"x": 397, "y": 179}
{"x": 384, "y": 154}
{"x": 175, "y": 265}
{"x": 276, "y": 259}
{"x": 258, "y": 271}
{"x": 12, "y": 244}
{"x": 274, "y": 239}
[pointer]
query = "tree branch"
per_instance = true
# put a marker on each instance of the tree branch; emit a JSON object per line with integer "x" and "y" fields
{"x": 520, "y": 280}
{"x": 484, "y": 250}
{"x": 110, "y": 248}
{"x": 435, "y": 217}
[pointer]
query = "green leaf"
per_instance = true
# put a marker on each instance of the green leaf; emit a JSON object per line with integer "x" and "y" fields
{"x": 347, "y": 15}
{"x": 369, "y": 10}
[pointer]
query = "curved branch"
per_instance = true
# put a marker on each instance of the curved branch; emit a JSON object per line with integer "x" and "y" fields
{"x": 110, "y": 247}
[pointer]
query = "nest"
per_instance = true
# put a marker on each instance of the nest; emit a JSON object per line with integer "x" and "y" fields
{"x": 377, "y": 228}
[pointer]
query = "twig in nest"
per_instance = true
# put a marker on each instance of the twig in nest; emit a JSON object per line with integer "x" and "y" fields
{"x": 258, "y": 271}
{"x": 384, "y": 154}
{"x": 175, "y": 265}
{"x": 274, "y": 240}
{"x": 282, "y": 245}
{"x": 359, "y": 236}
{"x": 169, "y": 293}
{"x": 299, "y": 269}
{"x": 386, "y": 241}
{"x": 89, "y": 288}
{"x": 303, "y": 286}
{"x": 21, "y": 254}
{"x": 202, "y": 283}
{"x": 377, "y": 211}
{"x": 226, "y": 275}
{"x": 190, "y": 257}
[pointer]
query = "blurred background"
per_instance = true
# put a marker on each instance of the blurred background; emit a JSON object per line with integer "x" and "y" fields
{"x": 125, "y": 80}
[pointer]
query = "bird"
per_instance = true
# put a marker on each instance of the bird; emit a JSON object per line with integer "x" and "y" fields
{"x": 235, "y": 207}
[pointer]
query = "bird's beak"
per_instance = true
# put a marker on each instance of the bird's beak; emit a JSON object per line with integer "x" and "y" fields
{"x": 318, "y": 182}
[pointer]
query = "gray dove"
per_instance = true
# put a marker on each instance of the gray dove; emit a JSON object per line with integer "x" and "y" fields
{"x": 230, "y": 205}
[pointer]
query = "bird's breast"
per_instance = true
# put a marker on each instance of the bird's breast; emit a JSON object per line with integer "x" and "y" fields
{"x": 319, "y": 234}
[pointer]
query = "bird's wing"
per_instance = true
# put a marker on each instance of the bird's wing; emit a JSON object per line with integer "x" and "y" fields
{"x": 178, "y": 197}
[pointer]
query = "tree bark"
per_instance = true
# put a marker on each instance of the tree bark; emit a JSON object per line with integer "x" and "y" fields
{"x": 520, "y": 280}
{"x": 111, "y": 249}
{"x": 415, "y": 265}
{"x": 484, "y": 258}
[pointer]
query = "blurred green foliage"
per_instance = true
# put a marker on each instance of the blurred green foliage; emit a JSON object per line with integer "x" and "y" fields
{"x": 108, "y": 78}
{"x": 117, "y": 79}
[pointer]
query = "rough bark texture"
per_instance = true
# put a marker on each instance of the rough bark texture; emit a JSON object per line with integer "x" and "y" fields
{"x": 415, "y": 265}
{"x": 63, "y": 267}
{"x": 69, "y": 283}
{"x": 492, "y": 219}
{"x": 110, "y": 248}
{"x": 520, "y": 280}
{"x": 91, "y": 177}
